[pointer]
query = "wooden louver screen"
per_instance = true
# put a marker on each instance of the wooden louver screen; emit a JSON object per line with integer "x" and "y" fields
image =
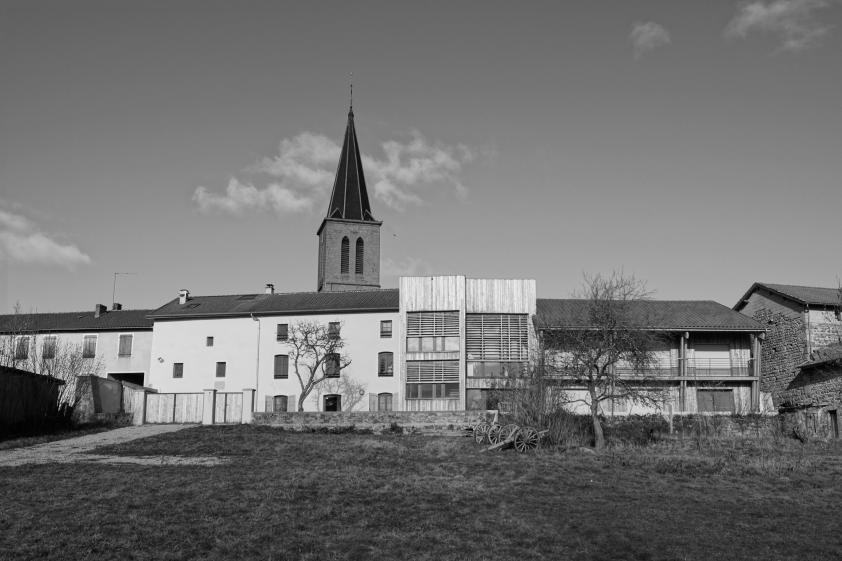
{"x": 432, "y": 324}
{"x": 432, "y": 371}
{"x": 497, "y": 337}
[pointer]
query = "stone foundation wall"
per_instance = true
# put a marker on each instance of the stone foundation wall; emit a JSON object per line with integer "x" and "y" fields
{"x": 745, "y": 426}
{"x": 374, "y": 420}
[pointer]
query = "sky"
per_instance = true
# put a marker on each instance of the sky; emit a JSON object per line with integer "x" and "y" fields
{"x": 694, "y": 145}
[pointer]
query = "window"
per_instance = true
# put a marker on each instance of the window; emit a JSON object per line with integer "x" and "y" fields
{"x": 125, "y": 346}
{"x": 220, "y": 370}
{"x": 48, "y": 349}
{"x": 333, "y": 330}
{"x": 209, "y": 341}
{"x": 358, "y": 263}
{"x": 22, "y": 348}
{"x": 332, "y": 366}
{"x": 281, "y": 367}
{"x": 384, "y": 402}
{"x": 89, "y": 346}
{"x": 715, "y": 401}
{"x": 497, "y": 337}
{"x": 344, "y": 256}
{"x": 494, "y": 369}
{"x": 386, "y": 329}
{"x": 432, "y": 379}
{"x": 432, "y": 332}
{"x": 283, "y": 332}
{"x": 178, "y": 370}
{"x": 384, "y": 364}
{"x": 279, "y": 403}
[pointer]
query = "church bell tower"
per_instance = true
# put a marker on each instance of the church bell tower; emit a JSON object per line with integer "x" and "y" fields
{"x": 349, "y": 237}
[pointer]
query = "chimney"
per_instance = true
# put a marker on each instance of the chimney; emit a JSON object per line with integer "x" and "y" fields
{"x": 183, "y": 296}
{"x": 270, "y": 288}
{"x": 116, "y": 307}
{"x": 99, "y": 309}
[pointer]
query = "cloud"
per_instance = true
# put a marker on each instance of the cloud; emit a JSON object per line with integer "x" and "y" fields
{"x": 406, "y": 267}
{"x": 303, "y": 171}
{"x": 241, "y": 197}
{"x": 647, "y": 37}
{"x": 793, "y": 21}
{"x": 22, "y": 241}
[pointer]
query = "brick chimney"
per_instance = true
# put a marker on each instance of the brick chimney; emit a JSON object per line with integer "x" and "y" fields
{"x": 183, "y": 296}
{"x": 99, "y": 309}
{"x": 270, "y": 288}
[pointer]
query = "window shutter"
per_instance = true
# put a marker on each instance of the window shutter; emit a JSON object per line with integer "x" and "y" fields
{"x": 270, "y": 404}
{"x": 432, "y": 324}
{"x": 372, "y": 402}
{"x": 292, "y": 405}
{"x": 497, "y": 336}
{"x": 432, "y": 371}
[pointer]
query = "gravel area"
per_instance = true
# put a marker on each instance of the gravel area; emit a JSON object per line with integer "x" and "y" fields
{"x": 76, "y": 450}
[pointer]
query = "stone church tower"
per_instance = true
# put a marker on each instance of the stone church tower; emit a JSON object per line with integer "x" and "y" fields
{"x": 349, "y": 237}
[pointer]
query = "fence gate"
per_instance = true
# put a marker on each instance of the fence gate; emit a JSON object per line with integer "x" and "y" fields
{"x": 174, "y": 407}
{"x": 229, "y": 408}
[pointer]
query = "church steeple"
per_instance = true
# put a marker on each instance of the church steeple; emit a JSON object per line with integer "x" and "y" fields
{"x": 349, "y": 198}
{"x": 349, "y": 224}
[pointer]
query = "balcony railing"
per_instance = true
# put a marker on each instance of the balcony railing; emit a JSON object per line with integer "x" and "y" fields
{"x": 696, "y": 367}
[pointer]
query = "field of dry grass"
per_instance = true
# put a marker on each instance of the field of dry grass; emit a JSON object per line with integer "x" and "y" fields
{"x": 282, "y": 495}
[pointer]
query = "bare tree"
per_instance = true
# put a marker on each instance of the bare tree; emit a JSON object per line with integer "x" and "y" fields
{"x": 317, "y": 353}
{"x": 608, "y": 352}
{"x": 351, "y": 390}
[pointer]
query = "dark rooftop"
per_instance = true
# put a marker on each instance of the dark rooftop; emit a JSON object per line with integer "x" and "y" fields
{"x": 806, "y": 295}
{"x": 669, "y": 315}
{"x": 75, "y": 321}
{"x": 383, "y": 300}
{"x": 349, "y": 197}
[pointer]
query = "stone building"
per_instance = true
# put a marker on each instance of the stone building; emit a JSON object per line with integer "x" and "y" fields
{"x": 803, "y": 325}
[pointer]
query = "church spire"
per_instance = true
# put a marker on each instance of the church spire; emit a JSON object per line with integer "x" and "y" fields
{"x": 349, "y": 198}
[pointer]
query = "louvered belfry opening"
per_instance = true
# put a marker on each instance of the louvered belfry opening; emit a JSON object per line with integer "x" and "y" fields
{"x": 345, "y": 256}
{"x": 359, "y": 257}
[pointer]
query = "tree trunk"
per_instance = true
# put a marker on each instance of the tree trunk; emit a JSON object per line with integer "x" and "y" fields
{"x": 598, "y": 436}
{"x": 301, "y": 402}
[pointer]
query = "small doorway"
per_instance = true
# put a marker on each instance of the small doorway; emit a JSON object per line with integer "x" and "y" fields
{"x": 333, "y": 402}
{"x": 384, "y": 402}
{"x": 834, "y": 423}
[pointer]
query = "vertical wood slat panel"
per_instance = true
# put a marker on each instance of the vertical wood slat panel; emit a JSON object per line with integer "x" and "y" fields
{"x": 508, "y": 296}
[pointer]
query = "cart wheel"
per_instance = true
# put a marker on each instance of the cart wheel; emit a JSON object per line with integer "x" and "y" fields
{"x": 526, "y": 439}
{"x": 481, "y": 432}
{"x": 507, "y": 432}
{"x": 494, "y": 434}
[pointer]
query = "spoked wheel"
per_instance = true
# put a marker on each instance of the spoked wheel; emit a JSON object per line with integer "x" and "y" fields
{"x": 481, "y": 432}
{"x": 494, "y": 434}
{"x": 507, "y": 431}
{"x": 526, "y": 439}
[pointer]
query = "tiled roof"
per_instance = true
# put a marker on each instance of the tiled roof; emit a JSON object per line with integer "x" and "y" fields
{"x": 824, "y": 355}
{"x": 76, "y": 321}
{"x": 806, "y": 295}
{"x": 383, "y": 300}
{"x": 672, "y": 315}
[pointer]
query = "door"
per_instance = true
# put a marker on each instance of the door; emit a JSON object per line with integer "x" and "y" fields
{"x": 333, "y": 402}
{"x": 834, "y": 423}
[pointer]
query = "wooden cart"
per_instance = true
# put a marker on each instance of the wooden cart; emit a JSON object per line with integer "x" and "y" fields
{"x": 500, "y": 436}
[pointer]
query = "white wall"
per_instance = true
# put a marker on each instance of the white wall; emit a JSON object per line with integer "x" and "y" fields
{"x": 236, "y": 344}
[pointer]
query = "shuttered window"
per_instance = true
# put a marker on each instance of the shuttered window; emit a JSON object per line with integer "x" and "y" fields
{"x": 432, "y": 371}
{"x": 125, "y": 346}
{"x": 22, "y": 348}
{"x": 432, "y": 332}
{"x": 385, "y": 329}
{"x": 283, "y": 332}
{"x": 281, "y": 367}
{"x": 280, "y": 403}
{"x": 497, "y": 337}
{"x": 344, "y": 256}
{"x": 48, "y": 350}
{"x": 385, "y": 365}
{"x": 178, "y": 370}
{"x": 333, "y": 330}
{"x": 358, "y": 263}
{"x": 220, "y": 369}
{"x": 384, "y": 402}
{"x": 89, "y": 346}
{"x": 332, "y": 366}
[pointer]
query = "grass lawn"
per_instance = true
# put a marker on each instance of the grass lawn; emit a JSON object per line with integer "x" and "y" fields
{"x": 285, "y": 495}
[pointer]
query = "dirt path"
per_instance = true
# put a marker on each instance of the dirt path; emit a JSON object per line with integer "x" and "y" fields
{"x": 75, "y": 449}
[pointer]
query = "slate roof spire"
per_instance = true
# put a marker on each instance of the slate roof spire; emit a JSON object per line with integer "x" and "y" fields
{"x": 349, "y": 198}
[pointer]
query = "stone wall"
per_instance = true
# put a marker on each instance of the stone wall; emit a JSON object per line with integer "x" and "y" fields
{"x": 745, "y": 426}
{"x": 784, "y": 348}
{"x": 411, "y": 421}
